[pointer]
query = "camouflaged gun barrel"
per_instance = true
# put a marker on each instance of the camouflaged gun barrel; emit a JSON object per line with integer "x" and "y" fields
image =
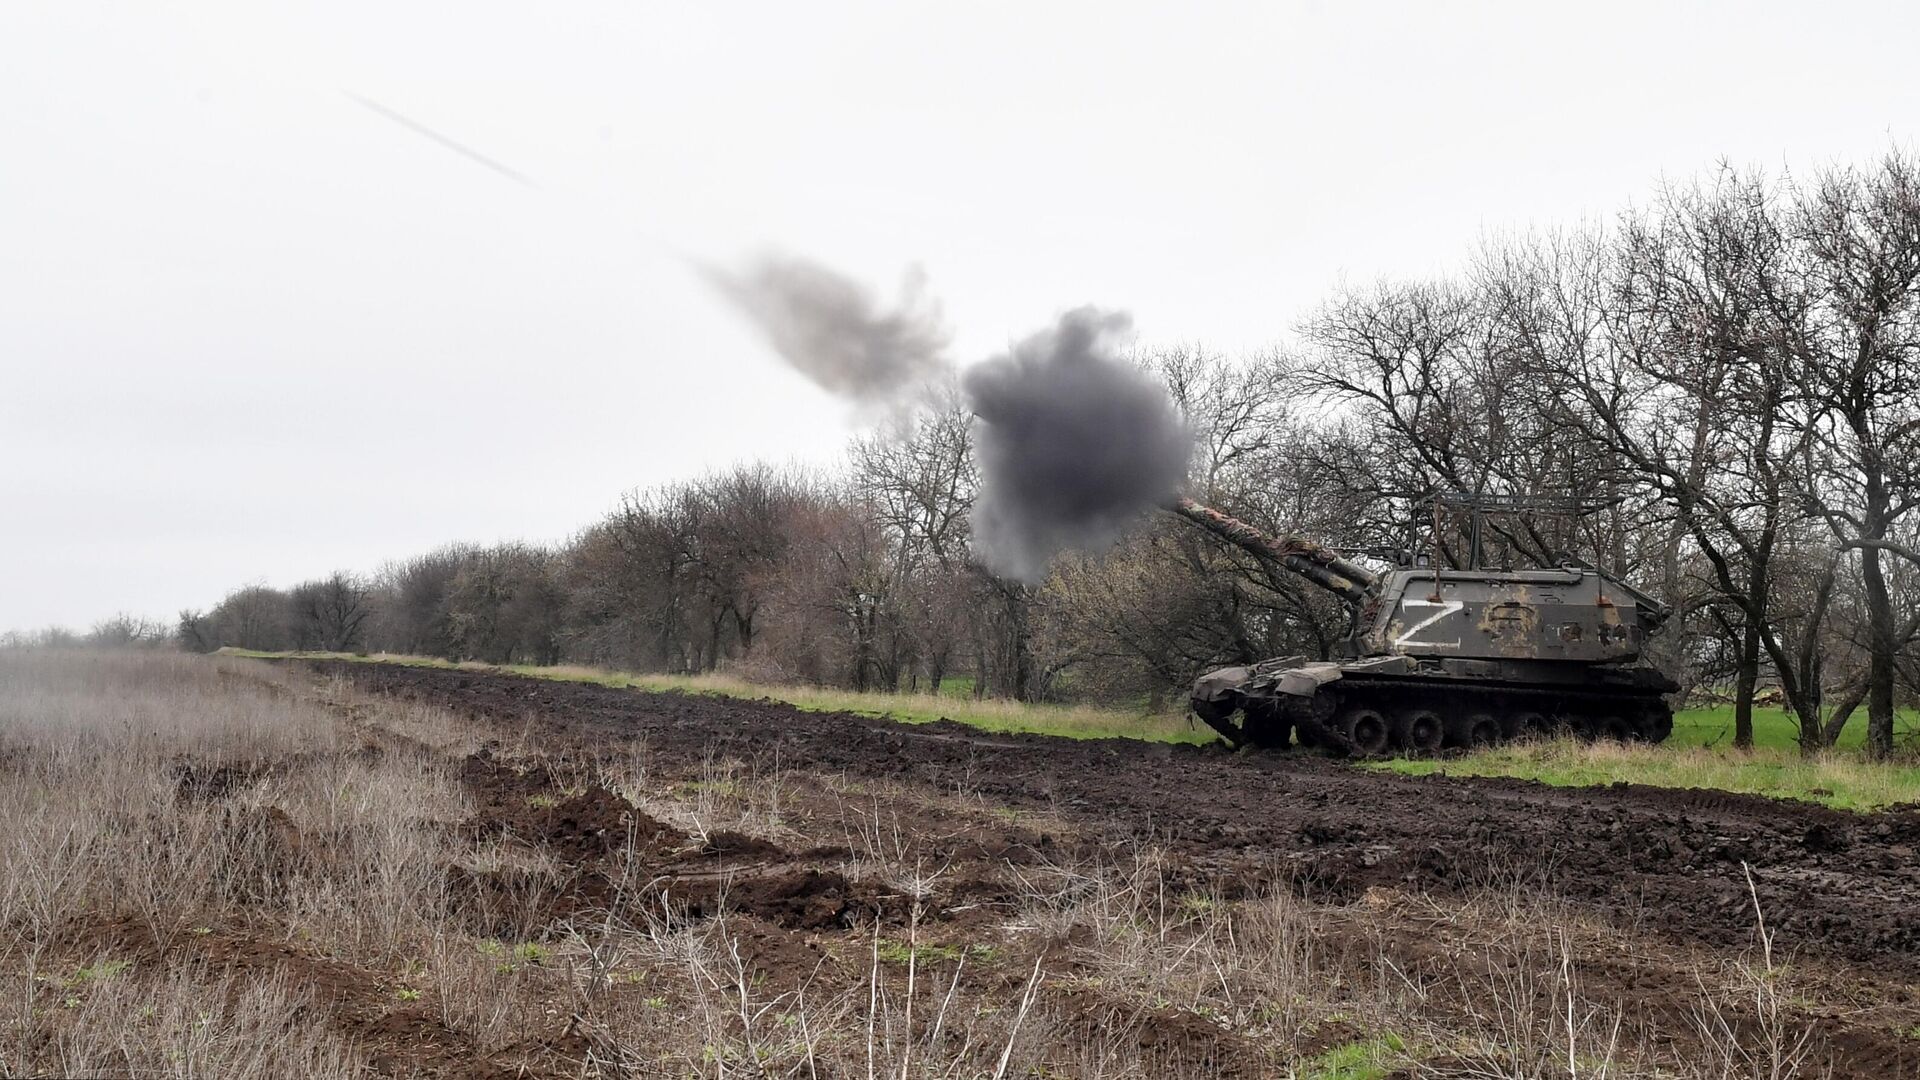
{"x": 1317, "y": 564}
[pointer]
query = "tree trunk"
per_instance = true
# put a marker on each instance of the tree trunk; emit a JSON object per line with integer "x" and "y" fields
{"x": 1882, "y": 654}
{"x": 1842, "y": 711}
{"x": 1810, "y": 667}
{"x": 1019, "y": 645}
{"x": 1746, "y": 680}
{"x": 862, "y": 647}
{"x": 743, "y": 625}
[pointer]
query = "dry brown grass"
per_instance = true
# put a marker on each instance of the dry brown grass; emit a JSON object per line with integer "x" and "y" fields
{"x": 1506, "y": 983}
{"x": 214, "y": 867}
{"x": 160, "y": 815}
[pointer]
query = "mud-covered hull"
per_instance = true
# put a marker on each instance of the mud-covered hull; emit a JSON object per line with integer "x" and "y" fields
{"x": 1403, "y": 704}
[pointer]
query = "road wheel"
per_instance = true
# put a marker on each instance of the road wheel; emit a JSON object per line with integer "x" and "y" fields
{"x": 1612, "y": 727}
{"x": 1478, "y": 730}
{"x": 1364, "y": 731}
{"x": 1418, "y": 730}
{"x": 1527, "y": 724}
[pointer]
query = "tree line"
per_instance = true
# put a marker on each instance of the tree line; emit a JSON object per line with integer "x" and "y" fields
{"x": 1727, "y": 380}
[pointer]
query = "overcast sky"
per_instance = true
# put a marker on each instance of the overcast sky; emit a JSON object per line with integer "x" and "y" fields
{"x": 253, "y": 328}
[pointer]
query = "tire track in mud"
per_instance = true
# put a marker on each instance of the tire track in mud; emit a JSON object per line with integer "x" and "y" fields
{"x": 1830, "y": 882}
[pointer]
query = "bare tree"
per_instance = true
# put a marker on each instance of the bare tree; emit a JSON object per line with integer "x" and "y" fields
{"x": 1860, "y": 359}
{"x": 1669, "y": 349}
{"x": 328, "y": 613}
{"x": 254, "y": 617}
{"x": 1437, "y": 400}
{"x": 505, "y": 605}
{"x": 125, "y": 631}
{"x": 196, "y": 632}
{"x": 410, "y": 602}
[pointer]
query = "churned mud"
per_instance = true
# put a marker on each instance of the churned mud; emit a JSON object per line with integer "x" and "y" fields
{"x": 1687, "y": 862}
{"x": 1684, "y": 878}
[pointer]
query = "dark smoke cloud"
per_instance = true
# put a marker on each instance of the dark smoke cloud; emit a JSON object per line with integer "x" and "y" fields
{"x": 837, "y": 333}
{"x": 1074, "y": 444}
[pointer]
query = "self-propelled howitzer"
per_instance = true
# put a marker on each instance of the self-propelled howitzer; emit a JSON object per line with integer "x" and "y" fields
{"x": 1444, "y": 657}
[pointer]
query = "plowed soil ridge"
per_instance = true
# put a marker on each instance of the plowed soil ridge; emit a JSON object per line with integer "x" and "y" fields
{"x": 1677, "y": 861}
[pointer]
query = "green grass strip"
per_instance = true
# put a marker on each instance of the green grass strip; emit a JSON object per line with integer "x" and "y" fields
{"x": 989, "y": 714}
{"x": 1840, "y": 779}
{"x": 1698, "y": 754}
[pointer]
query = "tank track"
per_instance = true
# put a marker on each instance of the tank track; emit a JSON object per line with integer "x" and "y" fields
{"x": 1371, "y": 717}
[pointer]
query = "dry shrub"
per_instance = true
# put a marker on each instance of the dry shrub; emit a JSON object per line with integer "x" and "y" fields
{"x": 148, "y": 800}
{"x": 727, "y": 794}
{"x": 1509, "y": 982}
{"x": 187, "y": 1021}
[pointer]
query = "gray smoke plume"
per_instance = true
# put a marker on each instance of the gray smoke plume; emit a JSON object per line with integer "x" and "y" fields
{"x": 837, "y": 333}
{"x": 1074, "y": 444}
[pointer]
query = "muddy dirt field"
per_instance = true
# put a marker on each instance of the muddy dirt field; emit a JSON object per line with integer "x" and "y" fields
{"x": 1828, "y": 881}
{"x": 1670, "y": 878}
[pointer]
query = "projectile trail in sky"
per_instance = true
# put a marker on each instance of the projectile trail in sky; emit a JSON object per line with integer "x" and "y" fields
{"x": 421, "y": 129}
